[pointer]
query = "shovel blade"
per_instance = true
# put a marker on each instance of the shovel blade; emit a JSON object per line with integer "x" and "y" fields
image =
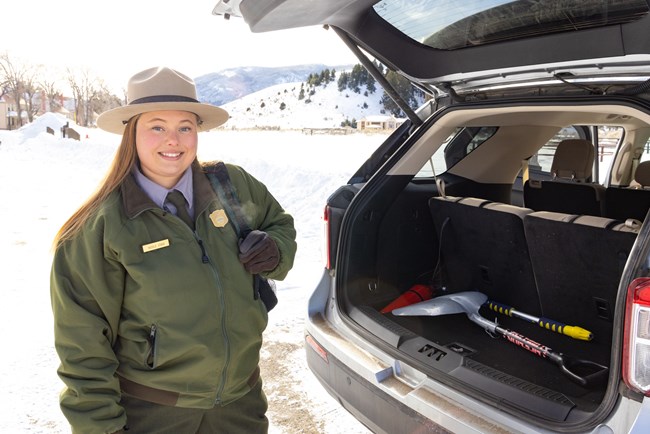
{"x": 461, "y": 302}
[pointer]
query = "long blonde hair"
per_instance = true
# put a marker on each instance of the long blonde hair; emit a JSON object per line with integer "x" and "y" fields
{"x": 125, "y": 158}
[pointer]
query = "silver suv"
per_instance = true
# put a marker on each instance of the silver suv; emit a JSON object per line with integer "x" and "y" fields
{"x": 488, "y": 266}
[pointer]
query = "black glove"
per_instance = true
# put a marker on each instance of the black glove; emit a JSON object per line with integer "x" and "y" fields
{"x": 258, "y": 252}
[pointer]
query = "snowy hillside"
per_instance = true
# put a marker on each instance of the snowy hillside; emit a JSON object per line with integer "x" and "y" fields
{"x": 221, "y": 87}
{"x": 279, "y": 107}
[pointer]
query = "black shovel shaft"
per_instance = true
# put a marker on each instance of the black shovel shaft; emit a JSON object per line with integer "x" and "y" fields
{"x": 526, "y": 343}
{"x": 594, "y": 373}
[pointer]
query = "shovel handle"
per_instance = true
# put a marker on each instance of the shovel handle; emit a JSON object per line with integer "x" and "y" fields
{"x": 546, "y": 323}
{"x": 583, "y": 372}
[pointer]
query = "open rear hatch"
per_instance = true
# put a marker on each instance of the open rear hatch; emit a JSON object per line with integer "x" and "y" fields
{"x": 451, "y": 46}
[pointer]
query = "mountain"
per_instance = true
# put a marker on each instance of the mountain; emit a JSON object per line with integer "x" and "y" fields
{"x": 305, "y": 96}
{"x": 221, "y": 87}
{"x": 282, "y": 107}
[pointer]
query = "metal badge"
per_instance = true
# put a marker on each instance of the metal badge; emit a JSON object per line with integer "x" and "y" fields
{"x": 219, "y": 218}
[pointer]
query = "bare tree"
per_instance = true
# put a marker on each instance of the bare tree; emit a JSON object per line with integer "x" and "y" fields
{"x": 75, "y": 87}
{"x": 31, "y": 90}
{"x": 106, "y": 100}
{"x": 86, "y": 91}
{"x": 52, "y": 94}
{"x": 4, "y": 88}
{"x": 12, "y": 75}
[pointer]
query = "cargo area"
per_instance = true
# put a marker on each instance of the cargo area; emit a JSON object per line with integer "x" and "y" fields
{"x": 561, "y": 266}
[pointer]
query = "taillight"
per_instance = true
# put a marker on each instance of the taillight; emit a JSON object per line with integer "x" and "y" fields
{"x": 316, "y": 347}
{"x": 326, "y": 236}
{"x": 636, "y": 344}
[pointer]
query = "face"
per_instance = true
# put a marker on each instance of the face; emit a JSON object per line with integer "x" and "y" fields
{"x": 166, "y": 144}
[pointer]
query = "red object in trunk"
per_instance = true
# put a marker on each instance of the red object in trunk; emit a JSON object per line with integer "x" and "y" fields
{"x": 414, "y": 294}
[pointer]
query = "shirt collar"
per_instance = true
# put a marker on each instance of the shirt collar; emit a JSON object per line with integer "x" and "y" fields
{"x": 158, "y": 193}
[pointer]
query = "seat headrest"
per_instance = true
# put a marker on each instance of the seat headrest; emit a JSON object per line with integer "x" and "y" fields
{"x": 574, "y": 159}
{"x": 642, "y": 174}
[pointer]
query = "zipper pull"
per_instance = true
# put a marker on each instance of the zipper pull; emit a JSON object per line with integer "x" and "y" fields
{"x": 152, "y": 334}
{"x": 204, "y": 255}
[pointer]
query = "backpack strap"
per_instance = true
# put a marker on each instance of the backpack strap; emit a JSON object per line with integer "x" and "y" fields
{"x": 218, "y": 175}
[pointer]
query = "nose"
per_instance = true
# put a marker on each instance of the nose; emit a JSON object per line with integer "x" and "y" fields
{"x": 173, "y": 137}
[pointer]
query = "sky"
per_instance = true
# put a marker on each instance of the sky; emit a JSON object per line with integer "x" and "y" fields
{"x": 117, "y": 38}
{"x": 300, "y": 170}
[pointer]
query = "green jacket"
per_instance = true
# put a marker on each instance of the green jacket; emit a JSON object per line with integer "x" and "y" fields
{"x": 145, "y": 305}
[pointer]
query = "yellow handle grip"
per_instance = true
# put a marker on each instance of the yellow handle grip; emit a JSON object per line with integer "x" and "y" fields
{"x": 577, "y": 333}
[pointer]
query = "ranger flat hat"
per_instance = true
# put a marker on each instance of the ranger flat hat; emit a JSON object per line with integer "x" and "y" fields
{"x": 156, "y": 89}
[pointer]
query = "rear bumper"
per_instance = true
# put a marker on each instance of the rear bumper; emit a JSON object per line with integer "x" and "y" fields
{"x": 642, "y": 422}
{"x": 390, "y": 397}
{"x": 380, "y": 412}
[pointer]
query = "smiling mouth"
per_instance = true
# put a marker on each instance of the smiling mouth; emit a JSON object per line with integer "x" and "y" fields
{"x": 171, "y": 154}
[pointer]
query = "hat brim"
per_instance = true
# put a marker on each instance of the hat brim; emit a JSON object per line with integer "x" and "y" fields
{"x": 114, "y": 120}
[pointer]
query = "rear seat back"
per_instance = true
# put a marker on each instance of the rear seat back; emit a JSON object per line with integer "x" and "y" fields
{"x": 578, "y": 262}
{"x": 483, "y": 247}
{"x": 623, "y": 203}
{"x": 571, "y": 190}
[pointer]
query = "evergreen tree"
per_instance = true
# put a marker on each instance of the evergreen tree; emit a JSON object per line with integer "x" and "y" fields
{"x": 370, "y": 84}
{"x": 344, "y": 79}
{"x": 358, "y": 76}
{"x": 404, "y": 89}
{"x": 324, "y": 77}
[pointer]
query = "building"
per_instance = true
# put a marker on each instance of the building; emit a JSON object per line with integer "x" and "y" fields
{"x": 378, "y": 123}
{"x": 8, "y": 116}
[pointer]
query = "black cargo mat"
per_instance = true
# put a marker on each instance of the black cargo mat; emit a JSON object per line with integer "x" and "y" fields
{"x": 456, "y": 332}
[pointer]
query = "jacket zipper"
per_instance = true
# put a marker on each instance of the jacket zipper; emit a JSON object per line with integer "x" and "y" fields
{"x": 222, "y": 298}
{"x": 204, "y": 255}
{"x": 222, "y": 305}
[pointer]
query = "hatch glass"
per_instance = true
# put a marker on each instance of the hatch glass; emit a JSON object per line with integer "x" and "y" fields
{"x": 452, "y": 24}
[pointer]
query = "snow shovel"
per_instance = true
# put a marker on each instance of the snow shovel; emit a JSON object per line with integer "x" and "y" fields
{"x": 572, "y": 331}
{"x": 583, "y": 372}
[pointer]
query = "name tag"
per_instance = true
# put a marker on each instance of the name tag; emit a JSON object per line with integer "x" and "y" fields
{"x": 155, "y": 245}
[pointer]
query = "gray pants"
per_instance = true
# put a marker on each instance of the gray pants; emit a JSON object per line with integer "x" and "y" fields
{"x": 246, "y": 415}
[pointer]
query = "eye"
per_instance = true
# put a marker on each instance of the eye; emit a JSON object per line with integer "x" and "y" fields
{"x": 157, "y": 128}
{"x": 186, "y": 129}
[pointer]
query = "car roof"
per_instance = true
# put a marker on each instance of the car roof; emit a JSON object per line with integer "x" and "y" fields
{"x": 587, "y": 48}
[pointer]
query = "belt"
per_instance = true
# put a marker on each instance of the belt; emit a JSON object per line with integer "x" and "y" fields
{"x": 165, "y": 397}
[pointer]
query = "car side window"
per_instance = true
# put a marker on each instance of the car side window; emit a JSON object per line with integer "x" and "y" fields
{"x": 540, "y": 163}
{"x": 645, "y": 155}
{"x": 609, "y": 138}
{"x": 457, "y": 146}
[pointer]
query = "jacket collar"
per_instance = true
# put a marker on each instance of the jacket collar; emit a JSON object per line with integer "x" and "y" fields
{"x": 135, "y": 200}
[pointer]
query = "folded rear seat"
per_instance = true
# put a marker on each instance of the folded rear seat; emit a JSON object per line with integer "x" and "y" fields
{"x": 631, "y": 202}
{"x": 571, "y": 190}
{"x": 483, "y": 248}
{"x": 578, "y": 262}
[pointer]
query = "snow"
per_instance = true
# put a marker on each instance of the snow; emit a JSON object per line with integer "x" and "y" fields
{"x": 327, "y": 107}
{"x": 44, "y": 178}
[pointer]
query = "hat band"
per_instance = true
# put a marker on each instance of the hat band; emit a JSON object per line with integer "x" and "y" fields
{"x": 162, "y": 98}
